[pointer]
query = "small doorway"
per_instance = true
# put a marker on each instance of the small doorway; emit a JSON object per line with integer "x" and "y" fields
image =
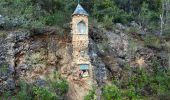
{"x": 84, "y": 70}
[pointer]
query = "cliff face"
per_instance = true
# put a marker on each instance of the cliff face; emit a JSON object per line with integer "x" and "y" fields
{"x": 31, "y": 56}
{"x": 118, "y": 48}
{"x": 117, "y": 55}
{"x": 35, "y": 55}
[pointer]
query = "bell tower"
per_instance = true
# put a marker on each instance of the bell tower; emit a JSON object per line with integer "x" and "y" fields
{"x": 80, "y": 42}
{"x": 81, "y": 77}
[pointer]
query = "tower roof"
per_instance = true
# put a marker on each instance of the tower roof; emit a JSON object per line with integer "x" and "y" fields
{"x": 80, "y": 11}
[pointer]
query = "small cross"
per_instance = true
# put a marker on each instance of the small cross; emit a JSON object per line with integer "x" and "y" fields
{"x": 78, "y": 1}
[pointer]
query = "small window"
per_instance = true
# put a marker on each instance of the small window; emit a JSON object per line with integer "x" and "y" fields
{"x": 81, "y": 27}
{"x": 84, "y": 70}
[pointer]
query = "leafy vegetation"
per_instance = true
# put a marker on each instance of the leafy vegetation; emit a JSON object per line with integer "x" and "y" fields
{"x": 37, "y": 13}
{"x": 54, "y": 90}
{"x": 3, "y": 68}
{"x": 25, "y": 91}
{"x": 60, "y": 86}
{"x": 43, "y": 94}
{"x": 111, "y": 92}
{"x": 33, "y": 13}
{"x": 90, "y": 95}
{"x": 140, "y": 84}
{"x": 152, "y": 41}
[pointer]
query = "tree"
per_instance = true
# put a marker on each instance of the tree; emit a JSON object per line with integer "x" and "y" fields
{"x": 165, "y": 17}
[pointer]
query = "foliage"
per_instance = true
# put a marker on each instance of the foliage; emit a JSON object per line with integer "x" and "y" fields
{"x": 152, "y": 40}
{"x": 6, "y": 95}
{"x": 30, "y": 13}
{"x": 148, "y": 17}
{"x": 57, "y": 88}
{"x": 43, "y": 94}
{"x": 108, "y": 22}
{"x": 58, "y": 18}
{"x": 159, "y": 79}
{"x": 90, "y": 95}
{"x": 139, "y": 79}
{"x": 60, "y": 86}
{"x": 53, "y": 91}
{"x": 132, "y": 95}
{"x": 139, "y": 83}
{"x": 38, "y": 13}
{"x": 133, "y": 30}
{"x": 25, "y": 91}
{"x": 111, "y": 92}
{"x": 3, "y": 68}
{"x": 132, "y": 48}
{"x": 166, "y": 33}
{"x": 107, "y": 9}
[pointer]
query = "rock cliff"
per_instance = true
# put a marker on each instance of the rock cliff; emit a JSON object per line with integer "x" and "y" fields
{"x": 34, "y": 55}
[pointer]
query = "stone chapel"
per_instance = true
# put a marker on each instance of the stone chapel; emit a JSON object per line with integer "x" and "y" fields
{"x": 80, "y": 41}
{"x": 81, "y": 76}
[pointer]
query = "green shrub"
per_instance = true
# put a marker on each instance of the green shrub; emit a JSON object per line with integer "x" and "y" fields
{"x": 35, "y": 24}
{"x": 151, "y": 40}
{"x": 132, "y": 48}
{"x": 104, "y": 8}
{"x": 56, "y": 88}
{"x": 166, "y": 33}
{"x": 5, "y": 96}
{"x": 133, "y": 30}
{"x": 25, "y": 92}
{"x": 3, "y": 68}
{"x": 141, "y": 78}
{"x": 132, "y": 95}
{"x": 58, "y": 18}
{"x": 140, "y": 83}
{"x": 164, "y": 96}
{"x": 108, "y": 22}
{"x": 90, "y": 95}
{"x": 147, "y": 17}
{"x": 159, "y": 84}
{"x": 60, "y": 87}
{"x": 43, "y": 94}
{"x": 58, "y": 84}
{"x": 159, "y": 79}
{"x": 111, "y": 93}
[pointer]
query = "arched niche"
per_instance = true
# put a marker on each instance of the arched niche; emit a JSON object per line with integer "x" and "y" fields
{"x": 81, "y": 27}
